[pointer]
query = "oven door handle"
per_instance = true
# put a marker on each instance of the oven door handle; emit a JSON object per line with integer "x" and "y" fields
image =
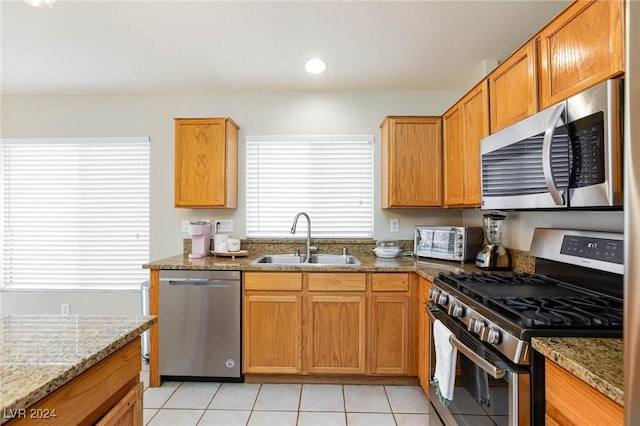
{"x": 492, "y": 370}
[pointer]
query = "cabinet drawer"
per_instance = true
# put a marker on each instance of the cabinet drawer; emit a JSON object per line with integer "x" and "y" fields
{"x": 278, "y": 281}
{"x": 390, "y": 282}
{"x": 337, "y": 282}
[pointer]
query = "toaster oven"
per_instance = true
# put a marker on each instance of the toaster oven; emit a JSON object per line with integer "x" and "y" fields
{"x": 457, "y": 243}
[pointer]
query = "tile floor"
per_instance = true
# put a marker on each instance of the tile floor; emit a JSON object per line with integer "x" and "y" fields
{"x": 248, "y": 404}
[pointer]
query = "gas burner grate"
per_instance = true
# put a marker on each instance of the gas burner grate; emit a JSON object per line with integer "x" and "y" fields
{"x": 563, "y": 312}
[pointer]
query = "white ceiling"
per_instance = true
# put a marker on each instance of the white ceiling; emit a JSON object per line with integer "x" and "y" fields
{"x": 191, "y": 46}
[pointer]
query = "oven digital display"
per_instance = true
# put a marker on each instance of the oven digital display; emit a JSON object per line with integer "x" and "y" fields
{"x": 593, "y": 248}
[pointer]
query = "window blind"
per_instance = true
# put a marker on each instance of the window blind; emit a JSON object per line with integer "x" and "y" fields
{"x": 328, "y": 177}
{"x": 75, "y": 213}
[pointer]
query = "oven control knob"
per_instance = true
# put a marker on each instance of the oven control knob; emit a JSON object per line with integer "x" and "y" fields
{"x": 433, "y": 295}
{"x": 475, "y": 325}
{"x": 442, "y": 299}
{"x": 490, "y": 335}
{"x": 456, "y": 310}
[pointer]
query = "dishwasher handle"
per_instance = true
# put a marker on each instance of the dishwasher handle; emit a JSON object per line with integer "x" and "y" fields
{"x": 201, "y": 282}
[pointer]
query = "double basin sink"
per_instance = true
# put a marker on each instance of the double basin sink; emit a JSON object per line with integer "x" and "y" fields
{"x": 314, "y": 259}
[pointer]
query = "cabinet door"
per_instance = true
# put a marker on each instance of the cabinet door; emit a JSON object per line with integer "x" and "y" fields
{"x": 335, "y": 334}
{"x": 454, "y": 155}
{"x": 272, "y": 338}
{"x": 570, "y": 401}
{"x": 463, "y": 126}
{"x": 580, "y": 48}
{"x": 475, "y": 107}
{"x": 389, "y": 334}
{"x": 411, "y": 162}
{"x": 206, "y": 158}
{"x": 127, "y": 412}
{"x": 424, "y": 337}
{"x": 512, "y": 89}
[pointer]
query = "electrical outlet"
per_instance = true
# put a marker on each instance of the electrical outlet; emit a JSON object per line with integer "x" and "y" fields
{"x": 225, "y": 225}
{"x": 185, "y": 226}
{"x": 64, "y": 309}
{"x": 394, "y": 225}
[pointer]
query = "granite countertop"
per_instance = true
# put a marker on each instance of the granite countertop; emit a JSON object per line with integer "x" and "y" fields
{"x": 597, "y": 361}
{"x": 428, "y": 269}
{"x": 40, "y": 353}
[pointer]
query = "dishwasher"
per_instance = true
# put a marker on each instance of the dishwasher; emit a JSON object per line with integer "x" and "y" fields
{"x": 199, "y": 324}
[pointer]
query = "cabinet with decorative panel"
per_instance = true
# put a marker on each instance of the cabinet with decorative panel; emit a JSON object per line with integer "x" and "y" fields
{"x": 336, "y": 323}
{"x": 583, "y": 46}
{"x": 206, "y": 163}
{"x": 513, "y": 88}
{"x": 571, "y": 402}
{"x": 389, "y": 325}
{"x": 411, "y": 162}
{"x": 272, "y": 323}
{"x": 463, "y": 126}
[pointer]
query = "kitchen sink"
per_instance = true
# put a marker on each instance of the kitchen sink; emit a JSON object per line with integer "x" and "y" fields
{"x": 315, "y": 259}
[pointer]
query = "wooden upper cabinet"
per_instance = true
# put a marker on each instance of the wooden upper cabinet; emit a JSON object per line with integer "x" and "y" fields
{"x": 512, "y": 88}
{"x": 583, "y": 46}
{"x": 411, "y": 162}
{"x": 453, "y": 147}
{"x": 464, "y": 125}
{"x": 206, "y": 163}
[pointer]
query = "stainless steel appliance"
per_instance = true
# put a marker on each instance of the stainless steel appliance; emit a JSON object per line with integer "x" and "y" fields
{"x": 456, "y": 243}
{"x": 568, "y": 155}
{"x": 631, "y": 215}
{"x": 493, "y": 256}
{"x": 577, "y": 291}
{"x": 200, "y": 325}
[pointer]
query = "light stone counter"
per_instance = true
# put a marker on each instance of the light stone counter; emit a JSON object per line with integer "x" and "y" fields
{"x": 597, "y": 361}
{"x": 40, "y": 353}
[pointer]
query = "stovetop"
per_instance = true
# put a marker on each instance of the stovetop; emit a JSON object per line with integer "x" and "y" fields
{"x": 530, "y": 301}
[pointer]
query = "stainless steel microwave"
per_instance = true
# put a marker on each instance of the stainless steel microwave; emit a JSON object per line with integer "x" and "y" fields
{"x": 458, "y": 243}
{"x": 568, "y": 155}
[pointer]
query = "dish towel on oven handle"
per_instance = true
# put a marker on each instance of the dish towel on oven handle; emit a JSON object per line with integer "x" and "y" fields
{"x": 445, "y": 375}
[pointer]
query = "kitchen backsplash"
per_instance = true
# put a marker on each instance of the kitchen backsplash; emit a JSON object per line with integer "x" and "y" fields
{"x": 357, "y": 247}
{"x": 521, "y": 260}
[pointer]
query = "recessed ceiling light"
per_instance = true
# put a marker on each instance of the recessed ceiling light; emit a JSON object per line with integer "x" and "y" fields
{"x": 315, "y": 66}
{"x": 42, "y": 4}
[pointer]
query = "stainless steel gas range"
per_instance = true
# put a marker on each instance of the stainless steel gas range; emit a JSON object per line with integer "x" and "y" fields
{"x": 577, "y": 291}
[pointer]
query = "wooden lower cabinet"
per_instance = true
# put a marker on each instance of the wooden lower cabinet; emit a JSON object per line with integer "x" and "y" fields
{"x": 389, "y": 332}
{"x": 128, "y": 411}
{"x": 328, "y": 323}
{"x": 335, "y": 334}
{"x": 272, "y": 333}
{"x": 572, "y": 402}
{"x": 272, "y": 323}
{"x": 109, "y": 393}
{"x": 424, "y": 334}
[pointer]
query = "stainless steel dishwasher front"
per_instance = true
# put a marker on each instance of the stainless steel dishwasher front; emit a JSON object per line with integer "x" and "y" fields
{"x": 200, "y": 325}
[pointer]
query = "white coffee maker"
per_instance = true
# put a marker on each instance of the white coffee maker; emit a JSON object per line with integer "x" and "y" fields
{"x": 200, "y": 231}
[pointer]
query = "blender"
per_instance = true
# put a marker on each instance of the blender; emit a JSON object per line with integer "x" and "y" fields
{"x": 493, "y": 256}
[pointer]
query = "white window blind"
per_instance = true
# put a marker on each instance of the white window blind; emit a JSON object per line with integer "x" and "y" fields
{"x": 75, "y": 213}
{"x": 328, "y": 177}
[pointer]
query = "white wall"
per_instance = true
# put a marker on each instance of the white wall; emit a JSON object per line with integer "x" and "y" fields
{"x": 257, "y": 113}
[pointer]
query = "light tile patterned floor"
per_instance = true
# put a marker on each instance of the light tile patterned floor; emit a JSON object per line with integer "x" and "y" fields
{"x": 246, "y": 404}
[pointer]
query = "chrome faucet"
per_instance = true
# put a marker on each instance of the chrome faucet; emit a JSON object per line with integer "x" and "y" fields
{"x": 293, "y": 231}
